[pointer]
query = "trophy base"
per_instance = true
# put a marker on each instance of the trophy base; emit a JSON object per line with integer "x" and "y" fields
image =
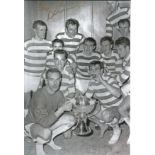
{"x": 82, "y": 133}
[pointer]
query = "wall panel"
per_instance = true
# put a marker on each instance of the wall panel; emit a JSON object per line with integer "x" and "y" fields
{"x": 54, "y": 13}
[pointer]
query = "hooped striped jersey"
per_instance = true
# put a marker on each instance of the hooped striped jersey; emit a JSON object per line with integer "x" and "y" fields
{"x": 71, "y": 45}
{"x": 83, "y": 61}
{"x": 35, "y": 53}
{"x": 110, "y": 62}
{"x": 98, "y": 91}
{"x": 113, "y": 19}
{"x": 121, "y": 64}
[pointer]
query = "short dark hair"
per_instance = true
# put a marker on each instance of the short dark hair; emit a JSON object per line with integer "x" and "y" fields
{"x": 90, "y": 39}
{"x": 122, "y": 41}
{"x": 93, "y": 63}
{"x": 38, "y": 22}
{"x": 107, "y": 38}
{"x": 123, "y": 21}
{"x": 72, "y": 22}
{"x": 52, "y": 70}
{"x": 57, "y": 41}
{"x": 60, "y": 51}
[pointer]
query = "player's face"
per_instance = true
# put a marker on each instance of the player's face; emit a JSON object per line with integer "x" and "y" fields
{"x": 121, "y": 50}
{"x": 105, "y": 47}
{"x": 89, "y": 47}
{"x": 94, "y": 70}
{"x": 124, "y": 28}
{"x": 57, "y": 45}
{"x": 112, "y": 5}
{"x": 60, "y": 61}
{"x": 53, "y": 81}
{"x": 40, "y": 31}
{"x": 72, "y": 30}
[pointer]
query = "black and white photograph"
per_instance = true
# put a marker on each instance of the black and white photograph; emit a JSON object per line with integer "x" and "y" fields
{"x": 77, "y": 77}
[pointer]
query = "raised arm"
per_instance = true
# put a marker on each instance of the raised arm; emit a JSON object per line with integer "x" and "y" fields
{"x": 111, "y": 85}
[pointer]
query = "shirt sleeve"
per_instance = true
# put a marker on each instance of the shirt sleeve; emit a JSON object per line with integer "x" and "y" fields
{"x": 62, "y": 99}
{"x": 57, "y": 36}
{"x": 112, "y": 81}
{"x": 25, "y": 52}
{"x": 42, "y": 78}
{"x": 90, "y": 92}
{"x": 124, "y": 76}
{"x": 72, "y": 58}
{"x": 82, "y": 39}
{"x": 69, "y": 81}
{"x": 109, "y": 29}
{"x": 71, "y": 88}
{"x": 50, "y": 61}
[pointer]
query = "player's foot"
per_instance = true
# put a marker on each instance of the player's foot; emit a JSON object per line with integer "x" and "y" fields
{"x": 40, "y": 149}
{"x": 68, "y": 134}
{"x": 128, "y": 142}
{"x": 54, "y": 146}
{"x": 97, "y": 127}
{"x": 116, "y": 135}
{"x": 103, "y": 128}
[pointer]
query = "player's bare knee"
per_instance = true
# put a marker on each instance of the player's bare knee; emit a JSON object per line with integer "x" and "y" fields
{"x": 69, "y": 119}
{"x": 46, "y": 134}
{"x": 72, "y": 119}
{"x": 44, "y": 138}
{"x": 39, "y": 131}
{"x": 123, "y": 110}
{"x": 107, "y": 116}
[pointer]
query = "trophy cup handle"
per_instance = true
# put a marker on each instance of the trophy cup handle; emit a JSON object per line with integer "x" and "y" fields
{"x": 96, "y": 109}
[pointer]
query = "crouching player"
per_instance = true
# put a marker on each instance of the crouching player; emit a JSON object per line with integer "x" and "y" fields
{"x": 123, "y": 48}
{"x": 105, "y": 89}
{"x": 45, "y": 119}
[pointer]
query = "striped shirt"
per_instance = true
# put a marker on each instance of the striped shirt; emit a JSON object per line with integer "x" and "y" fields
{"x": 113, "y": 19}
{"x": 83, "y": 62}
{"x": 122, "y": 64}
{"x": 124, "y": 75}
{"x": 68, "y": 80}
{"x": 35, "y": 53}
{"x": 110, "y": 62}
{"x": 50, "y": 60}
{"x": 99, "y": 91}
{"x": 71, "y": 45}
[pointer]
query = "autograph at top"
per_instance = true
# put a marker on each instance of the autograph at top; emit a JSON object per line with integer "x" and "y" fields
{"x": 53, "y": 12}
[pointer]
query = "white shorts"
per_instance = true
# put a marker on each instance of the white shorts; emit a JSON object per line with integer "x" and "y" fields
{"x": 28, "y": 133}
{"x": 31, "y": 83}
{"x": 27, "y": 130}
{"x": 82, "y": 85}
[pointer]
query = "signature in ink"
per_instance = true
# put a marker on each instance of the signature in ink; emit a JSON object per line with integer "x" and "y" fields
{"x": 52, "y": 13}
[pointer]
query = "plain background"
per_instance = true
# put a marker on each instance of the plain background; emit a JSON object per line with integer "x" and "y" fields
{"x": 142, "y": 77}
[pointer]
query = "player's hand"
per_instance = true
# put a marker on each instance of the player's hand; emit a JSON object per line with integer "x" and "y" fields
{"x": 69, "y": 69}
{"x": 74, "y": 66}
{"x": 72, "y": 100}
{"x": 126, "y": 89}
{"x": 98, "y": 77}
{"x": 92, "y": 101}
{"x": 67, "y": 106}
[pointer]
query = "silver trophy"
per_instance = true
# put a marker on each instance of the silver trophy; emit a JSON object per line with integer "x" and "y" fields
{"x": 82, "y": 108}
